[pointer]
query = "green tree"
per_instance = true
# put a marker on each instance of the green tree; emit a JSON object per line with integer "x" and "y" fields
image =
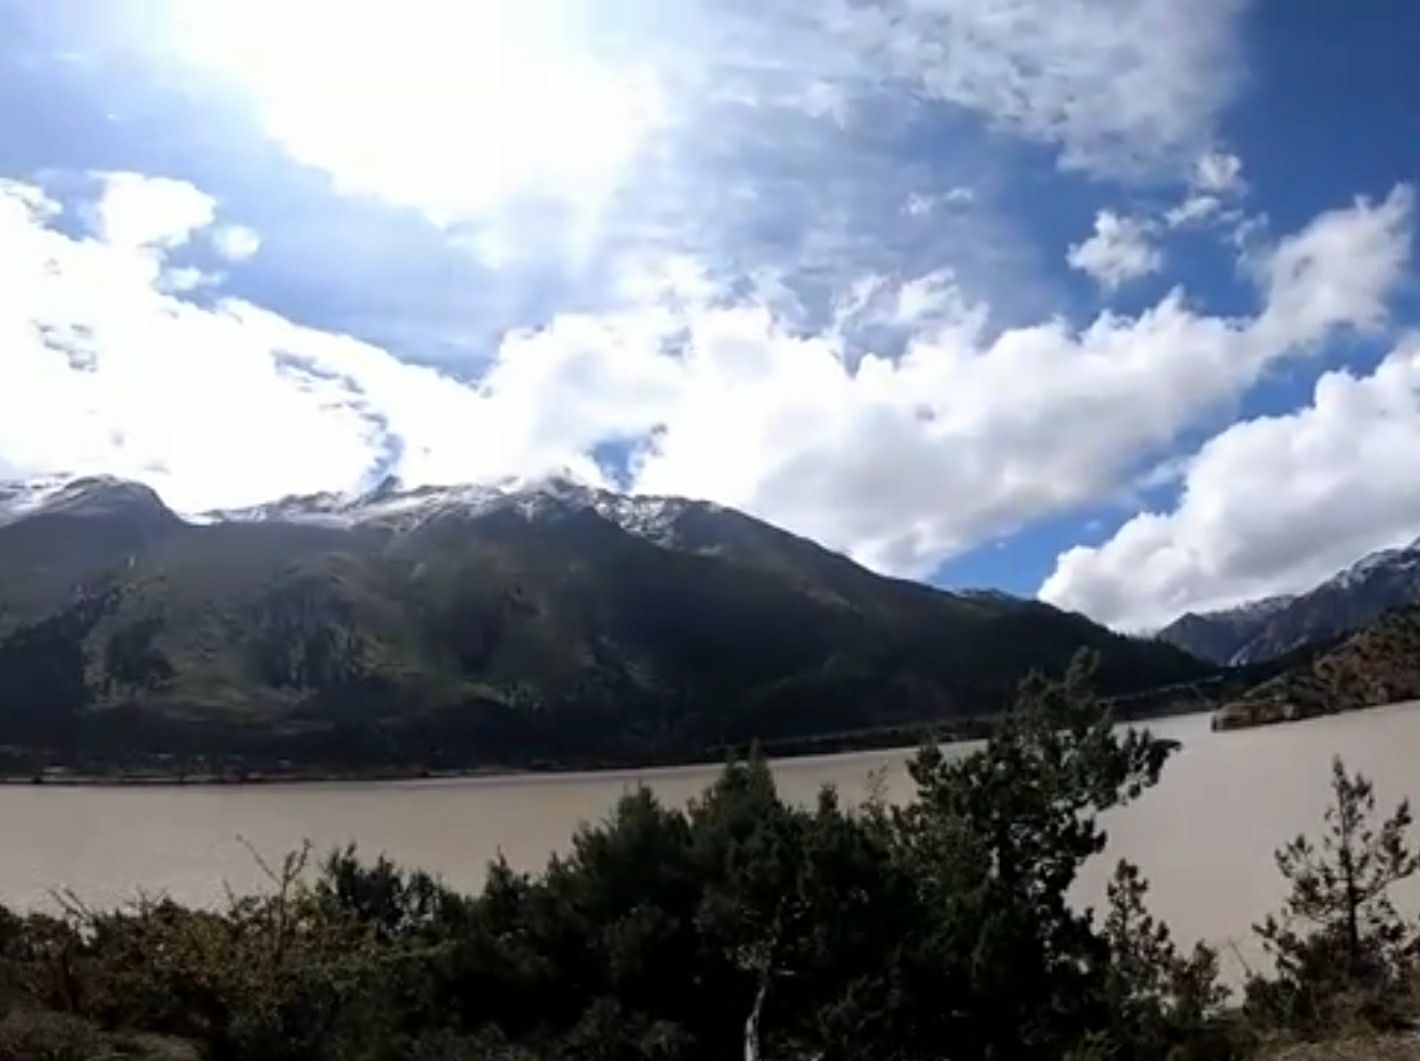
{"x": 1339, "y": 939}
{"x": 996, "y": 839}
{"x": 1161, "y": 1003}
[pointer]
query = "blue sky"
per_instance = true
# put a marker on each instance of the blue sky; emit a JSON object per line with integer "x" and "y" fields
{"x": 1108, "y": 302}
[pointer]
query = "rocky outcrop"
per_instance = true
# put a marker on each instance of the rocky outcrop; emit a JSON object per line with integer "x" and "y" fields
{"x": 1378, "y": 665}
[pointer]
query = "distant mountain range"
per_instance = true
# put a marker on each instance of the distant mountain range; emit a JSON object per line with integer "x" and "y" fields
{"x": 1272, "y": 628}
{"x": 477, "y": 625}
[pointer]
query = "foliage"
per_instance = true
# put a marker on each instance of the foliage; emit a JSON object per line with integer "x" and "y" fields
{"x": 1339, "y": 938}
{"x": 742, "y": 922}
{"x": 1161, "y": 1003}
{"x": 1373, "y": 665}
{"x": 995, "y": 841}
{"x": 739, "y": 926}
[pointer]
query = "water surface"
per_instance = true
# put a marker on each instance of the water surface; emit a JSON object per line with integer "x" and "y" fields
{"x": 1204, "y": 836}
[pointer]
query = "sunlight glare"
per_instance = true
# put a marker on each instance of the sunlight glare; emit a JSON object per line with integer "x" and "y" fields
{"x": 452, "y": 108}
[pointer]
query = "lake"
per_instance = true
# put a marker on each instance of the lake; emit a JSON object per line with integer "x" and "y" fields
{"x": 1204, "y": 836}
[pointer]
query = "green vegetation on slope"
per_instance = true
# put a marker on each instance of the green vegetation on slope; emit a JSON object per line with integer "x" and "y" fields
{"x": 1378, "y": 665}
{"x": 128, "y": 637}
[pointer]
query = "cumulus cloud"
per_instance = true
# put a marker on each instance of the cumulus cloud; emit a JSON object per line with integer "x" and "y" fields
{"x": 905, "y": 461}
{"x": 1218, "y": 173}
{"x": 137, "y": 211}
{"x": 1340, "y": 267}
{"x": 1214, "y": 189}
{"x": 235, "y": 243}
{"x": 186, "y": 278}
{"x": 105, "y": 372}
{"x": 714, "y": 386}
{"x": 1269, "y": 506}
{"x": 1120, "y": 250}
{"x": 1228, "y": 538}
{"x": 1195, "y": 208}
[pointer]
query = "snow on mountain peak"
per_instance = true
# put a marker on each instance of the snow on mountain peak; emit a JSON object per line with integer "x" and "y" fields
{"x": 22, "y": 497}
{"x": 1404, "y": 558}
{"x": 394, "y": 506}
{"x": 389, "y": 504}
{"x": 89, "y": 495}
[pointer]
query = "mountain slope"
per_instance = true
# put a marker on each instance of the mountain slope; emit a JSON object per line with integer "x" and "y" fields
{"x": 1220, "y": 637}
{"x": 1379, "y": 664}
{"x": 1271, "y": 628}
{"x": 480, "y": 625}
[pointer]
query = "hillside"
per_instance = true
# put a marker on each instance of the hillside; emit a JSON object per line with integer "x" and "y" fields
{"x": 465, "y": 626}
{"x": 1267, "y": 629}
{"x": 1377, "y": 665}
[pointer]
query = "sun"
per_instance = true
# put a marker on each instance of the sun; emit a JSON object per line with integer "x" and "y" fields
{"x": 452, "y": 108}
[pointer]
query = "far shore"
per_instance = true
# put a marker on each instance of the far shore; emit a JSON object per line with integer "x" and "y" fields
{"x": 825, "y": 747}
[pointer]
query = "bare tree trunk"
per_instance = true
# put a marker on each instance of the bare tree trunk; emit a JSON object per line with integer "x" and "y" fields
{"x": 752, "y": 1023}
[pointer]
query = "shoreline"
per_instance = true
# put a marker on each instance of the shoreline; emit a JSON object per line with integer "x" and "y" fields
{"x": 393, "y": 776}
{"x": 833, "y": 746}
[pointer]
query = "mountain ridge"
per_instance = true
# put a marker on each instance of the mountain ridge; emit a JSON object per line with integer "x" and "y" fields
{"x": 465, "y": 626}
{"x": 1270, "y": 628}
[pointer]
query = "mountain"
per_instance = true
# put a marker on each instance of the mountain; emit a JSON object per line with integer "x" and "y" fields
{"x": 1271, "y": 628}
{"x": 478, "y": 624}
{"x": 1380, "y": 664}
{"x": 1220, "y": 637}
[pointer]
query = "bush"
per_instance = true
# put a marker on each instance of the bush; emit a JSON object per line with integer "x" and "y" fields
{"x": 741, "y": 926}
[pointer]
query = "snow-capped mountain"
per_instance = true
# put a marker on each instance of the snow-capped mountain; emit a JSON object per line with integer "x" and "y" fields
{"x": 1266, "y": 629}
{"x": 390, "y": 505}
{"x": 509, "y": 623}
{"x": 73, "y": 495}
{"x": 396, "y": 507}
{"x": 1384, "y": 564}
{"x": 21, "y": 497}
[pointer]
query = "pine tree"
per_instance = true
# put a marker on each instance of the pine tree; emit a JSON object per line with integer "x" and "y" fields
{"x": 1339, "y": 935}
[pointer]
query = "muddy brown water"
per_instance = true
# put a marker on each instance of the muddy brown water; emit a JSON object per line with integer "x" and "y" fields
{"x": 1204, "y": 836}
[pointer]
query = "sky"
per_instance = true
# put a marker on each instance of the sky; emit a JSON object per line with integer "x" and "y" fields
{"x": 1110, "y": 302}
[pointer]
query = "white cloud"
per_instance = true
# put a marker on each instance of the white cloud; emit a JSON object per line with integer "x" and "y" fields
{"x": 138, "y": 211}
{"x": 1269, "y": 506}
{"x": 1340, "y": 267}
{"x": 235, "y": 243}
{"x": 1228, "y": 540}
{"x": 920, "y": 204}
{"x": 103, "y": 372}
{"x": 1092, "y": 78}
{"x": 1120, "y": 250}
{"x": 483, "y": 107}
{"x": 1218, "y": 173}
{"x": 1193, "y": 209}
{"x": 899, "y": 460}
{"x": 825, "y": 99}
{"x": 185, "y": 278}
{"x": 1213, "y": 191}
{"x": 904, "y": 462}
